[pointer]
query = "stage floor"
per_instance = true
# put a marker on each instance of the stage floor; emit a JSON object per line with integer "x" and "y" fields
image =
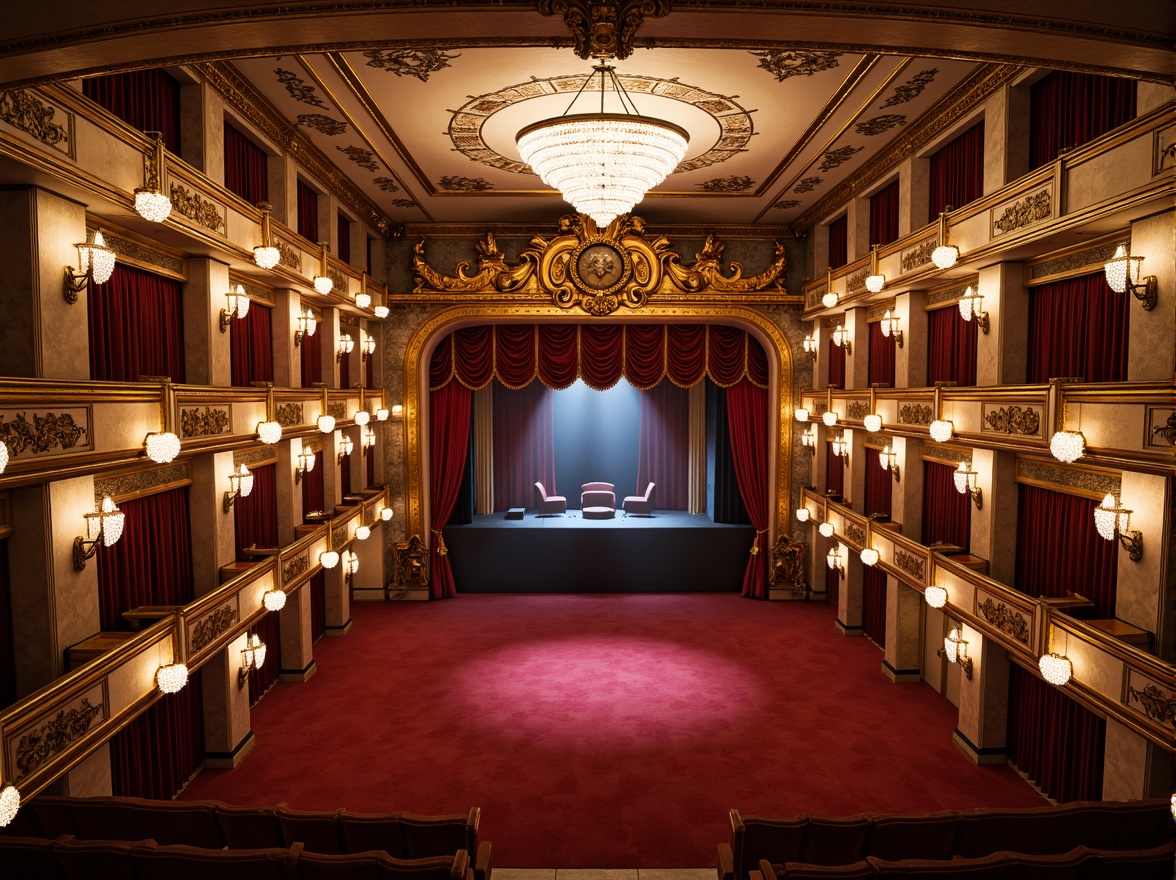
{"x": 669, "y": 552}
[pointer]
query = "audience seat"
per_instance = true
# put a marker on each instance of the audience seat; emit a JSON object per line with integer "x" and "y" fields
{"x": 318, "y": 832}
{"x": 639, "y": 505}
{"x": 30, "y": 857}
{"x": 550, "y": 504}
{"x": 250, "y": 827}
{"x": 200, "y": 863}
{"x": 167, "y": 822}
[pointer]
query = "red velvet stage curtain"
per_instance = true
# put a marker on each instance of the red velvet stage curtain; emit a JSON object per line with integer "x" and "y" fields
{"x": 663, "y": 444}
{"x": 308, "y": 225}
{"x": 882, "y": 354}
{"x": 136, "y": 324}
{"x": 157, "y": 754}
{"x": 884, "y": 215}
{"x": 7, "y": 642}
{"x": 747, "y": 422}
{"x": 1078, "y": 327}
{"x": 879, "y": 486}
{"x": 957, "y": 172}
{"x": 1059, "y": 549}
{"x": 246, "y": 167}
{"x": 343, "y": 236}
{"x": 874, "y": 605}
{"x": 834, "y": 472}
{"x": 836, "y": 365}
{"x": 1053, "y": 740}
{"x": 450, "y": 410}
{"x": 951, "y": 347}
{"x": 251, "y": 346}
{"x": 151, "y": 564}
{"x": 947, "y": 514}
{"x": 839, "y": 242}
{"x": 255, "y": 519}
{"x": 524, "y": 444}
{"x": 312, "y": 487}
{"x": 312, "y": 359}
{"x": 1071, "y": 109}
{"x": 148, "y": 100}
{"x": 269, "y": 630}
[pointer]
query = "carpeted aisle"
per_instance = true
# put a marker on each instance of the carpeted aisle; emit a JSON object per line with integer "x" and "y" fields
{"x": 605, "y": 730}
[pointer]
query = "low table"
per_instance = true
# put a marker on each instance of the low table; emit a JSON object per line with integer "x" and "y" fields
{"x": 598, "y": 512}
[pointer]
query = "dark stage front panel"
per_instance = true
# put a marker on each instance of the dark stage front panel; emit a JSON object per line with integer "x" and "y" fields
{"x": 669, "y": 553}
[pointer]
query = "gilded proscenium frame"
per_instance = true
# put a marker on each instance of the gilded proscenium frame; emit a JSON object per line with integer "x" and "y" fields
{"x": 431, "y": 331}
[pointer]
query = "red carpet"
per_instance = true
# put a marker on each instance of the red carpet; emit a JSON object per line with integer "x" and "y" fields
{"x": 605, "y": 731}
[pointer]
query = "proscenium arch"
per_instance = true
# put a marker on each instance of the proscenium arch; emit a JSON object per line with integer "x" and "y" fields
{"x": 417, "y": 502}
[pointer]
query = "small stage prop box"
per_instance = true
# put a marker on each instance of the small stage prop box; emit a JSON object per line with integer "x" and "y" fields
{"x": 515, "y": 513}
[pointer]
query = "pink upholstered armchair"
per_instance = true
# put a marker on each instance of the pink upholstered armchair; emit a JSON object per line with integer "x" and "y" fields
{"x": 549, "y": 504}
{"x": 639, "y": 504}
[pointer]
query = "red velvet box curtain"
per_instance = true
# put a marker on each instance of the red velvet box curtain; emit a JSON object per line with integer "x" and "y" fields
{"x": 951, "y": 347}
{"x": 261, "y": 679}
{"x": 343, "y": 238}
{"x": 879, "y": 486}
{"x": 874, "y": 605}
{"x": 836, "y": 365}
{"x": 834, "y": 472}
{"x": 136, "y": 324}
{"x": 311, "y": 359}
{"x": 884, "y": 215}
{"x": 246, "y": 167}
{"x": 947, "y": 514}
{"x": 308, "y": 225}
{"x": 7, "y": 643}
{"x": 255, "y": 520}
{"x": 1070, "y": 109}
{"x": 251, "y": 346}
{"x": 158, "y": 753}
{"x": 957, "y": 172}
{"x": 883, "y": 350}
{"x": 148, "y": 100}
{"x": 1078, "y": 327}
{"x": 839, "y": 242}
{"x": 1059, "y": 550}
{"x": 312, "y": 487}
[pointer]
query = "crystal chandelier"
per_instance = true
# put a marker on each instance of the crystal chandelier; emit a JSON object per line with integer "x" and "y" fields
{"x": 603, "y": 163}
{"x": 265, "y": 254}
{"x": 150, "y": 202}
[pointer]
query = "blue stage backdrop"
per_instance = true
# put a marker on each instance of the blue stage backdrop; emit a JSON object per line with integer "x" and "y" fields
{"x": 596, "y": 437}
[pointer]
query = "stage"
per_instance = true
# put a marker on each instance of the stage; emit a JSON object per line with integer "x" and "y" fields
{"x": 670, "y": 552}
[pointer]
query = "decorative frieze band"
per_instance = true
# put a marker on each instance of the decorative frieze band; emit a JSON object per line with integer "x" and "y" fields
{"x": 27, "y": 112}
{"x": 1092, "y": 258}
{"x": 210, "y": 422}
{"x": 1093, "y": 482}
{"x": 1012, "y": 420}
{"x": 858, "y": 409}
{"x": 288, "y": 415}
{"x": 256, "y": 457}
{"x": 47, "y": 433}
{"x": 193, "y": 206}
{"x": 54, "y": 736}
{"x": 294, "y": 566}
{"x": 1149, "y": 698}
{"x": 914, "y": 414}
{"x": 209, "y": 627}
{"x": 919, "y": 255}
{"x": 288, "y": 255}
{"x": 338, "y": 409}
{"x": 855, "y": 533}
{"x": 856, "y": 281}
{"x": 943, "y": 296}
{"x": 1024, "y": 212}
{"x": 915, "y": 566}
{"x": 946, "y": 453}
{"x": 256, "y": 291}
{"x": 141, "y": 482}
{"x": 1008, "y": 620}
{"x": 140, "y": 253}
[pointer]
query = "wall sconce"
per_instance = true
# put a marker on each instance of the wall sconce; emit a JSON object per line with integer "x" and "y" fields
{"x": 305, "y": 464}
{"x": 238, "y": 307}
{"x": 95, "y": 263}
{"x": 381, "y": 311}
{"x": 834, "y": 560}
{"x": 386, "y": 514}
{"x": 869, "y": 556}
{"x": 812, "y": 344}
{"x": 3, "y": 456}
{"x": 345, "y": 447}
{"x": 106, "y": 523}
{"x": 874, "y": 281}
{"x": 936, "y": 596}
{"x": 889, "y": 461}
{"x": 252, "y": 657}
{"x": 363, "y": 299}
{"x": 840, "y": 336}
{"x": 322, "y": 281}
{"x": 9, "y": 803}
{"x": 1055, "y": 668}
{"x": 362, "y": 533}
{"x": 946, "y": 255}
{"x": 328, "y": 559}
{"x": 307, "y": 324}
{"x": 269, "y": 432}
{"x": 1112, "y": 520}
{"x": 890, "y": 328}
{"x": 970, "y": 309}
{"x": 1067, "y": 445}
{"x": 170, "y": 679}
{"x": 955, "y": 647}
{"x": 829, "y": 417}
{"x": 830, "y": 297}
{"x": 873, "y": 423}
{"x": 240, "y": 485}
{"x": 346, "y": 346}
{"x": 802, "y": 514}
{"x": 801, "y": 414}
{"x": 941, "y": 430}
{"x": 397, "y": 411}
{"x": 350, "y": 564}
{"x": 369, "y": 440}
{"x": 841, "y": 448}
{"x": 150, "y": 203}
{"x": 1123, "y": 274}
{"x": 826, "y": 529}
{"x": 965, "y": 483}
{"x": 325, "y": 421}
{"x": 274, "y": 600}
{"x": 809, "y": 439}
{"x": 362, "y": 417}
{"x": 368, "y": 347}
{"x": 265, "y": 255}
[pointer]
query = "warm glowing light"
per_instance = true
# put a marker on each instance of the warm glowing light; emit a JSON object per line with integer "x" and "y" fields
{"x": 833, "y": 559}
{"x": 269, "y": 432}
{"x": 97, "y": 259}
{"x": 363, "y": 300}
{"x": 945, "y": 256}
{"x": 941, "y": 430}
{"x": 266, "y": 256}
{"x": 238, "y": 302}
{"x": 829, "y": 417}
{"x": 326, "y": 423}
{"x": 362, "y": 417}
{"x": 869, "y": 556}
{"x": 873, "y": 422}
{"x": 875, "y": 283}
{"x": 1110, "y": 518}
{"x": 244, "y": 481}
{"x": 161, "y": 447}
{"x": 802, "y": 514}
{"x": 382, "y": 414}
{"x": 323, "y": 284}
{"x": 826, "y": 529}
{"x": 107, "y": 523}
{"x": 328, "y": 559}
{"x": 152, "y": 205}
{"x": 171, "y": 678}
{"x": 801, "y": 414}
{"x": 381, "y": 311}
{"x": 830, "y": 299}
{"x": 936, "y": 596}
{"x": 274, "y": 600}
{"x": 965, "y": 478}
{"x": 3, "y": 456}
{"x": 951, "y": 645}
{"x": 1121, "y": 268}
{"x": 362, "y": 533}
{"x": 386, "y": 514}
{"x": 1055, "y": 668}
{"x": 9, "y": 804}
{"x": 1067, "y": 445}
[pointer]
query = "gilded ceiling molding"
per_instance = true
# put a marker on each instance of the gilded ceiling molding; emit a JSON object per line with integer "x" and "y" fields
{"x": 604, "y": 28}
{"x": 419, "y": 62}
{"x": 784, "y": 64}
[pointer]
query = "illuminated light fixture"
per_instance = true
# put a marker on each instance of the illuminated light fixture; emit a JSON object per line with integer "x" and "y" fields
{"x": 826, "y": 529}
{"x": 1067, "y": 445}
{"x": 322, "y": 281}
{"x": 105, "y": 524}
{"x": 1173, "y": 806}
{"x": 812, "y": 344}
{"x": 170, "y": 679}
{"x": 150, "y": 203}
{"x": 274, "y": 600}
{"x": 252, "y": 657}
{"x": 946, "y": 255}
{"x": 1055, "y": 668}
{"x": 873, "y": 423}
{"x": 603, "y": 163}
{"x": 3, "y": 456}
{"x": 834, "y": 560}
{"x": 809, "y": 439}
{"x": 350, "y": 563}
{"x": 162, "y": 446}
{"x": 955, "y": 648}
{"x": 386, "y": 514}
{"x": 841, "y": 448}
{"x": 362, "y": 533}
{"x": 840, "y": 336}
{"x": 382, "y": 414}
{"x": 326, "y": 423}
{"x": 328, "y": 559}
{"x": 363, "y": 299}
{"x": 381, "y": 311}
{"x": 829, "y": 417}
{"x": 9, "y": 804}
{"x": 802, "y": 514}
{"x": 1112, "y": 520}
{"x": 346, "y": 346}
{"x": 936, "y": 596}
{"x": 238, "y": 307}
{"x": 801, "y": 414}
{"x": 362, "y": 417}
{"x": 95, "y": 263}
{"x": 970, "y": 309}
{"x": 345, "y": 447}
{"x": 874, "y": 281}
{"x": 397, "y": 411}
{"x": 965, "y": 483}
{"x": 368, "y": 347}
{"x": 889, "y": 461}
{"x": 869, "y": 556}
{"x": 305, "y": 464}
{"x": 240, "y": 486}
{"x": 369, "y": 440}
{"x": 265, "y": 255}
{"x": 269, "y": 432}
{"x": 941, "y": 430}
{"x": 1123, "y": 274}
{"x": 889, "y": 326}
{"x": 830, "y": 297}
{"x": 307, "y": 324}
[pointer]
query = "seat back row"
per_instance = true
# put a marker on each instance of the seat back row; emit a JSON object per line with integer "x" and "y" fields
{"x": 816, "y": 840}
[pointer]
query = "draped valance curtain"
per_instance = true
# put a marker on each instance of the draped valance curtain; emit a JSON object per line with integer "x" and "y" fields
{"x": 148, "y": 100}
{"x": 884, "y": 215}
{"x": 251, "y": 346}
{"x": 957, "y": 172}
{"x": 1069, "y": 109}
{"x": 951, "y": 347}
{"x": 246, "y": 167}
{"x": 1078, "y": 327}
{"x": 136, "y": 324}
